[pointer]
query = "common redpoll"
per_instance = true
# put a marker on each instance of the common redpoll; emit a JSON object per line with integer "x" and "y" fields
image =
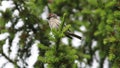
{"x": 54, "y": 23}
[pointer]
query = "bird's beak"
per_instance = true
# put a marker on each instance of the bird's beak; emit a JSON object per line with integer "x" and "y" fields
{"x": 48, "y": 18}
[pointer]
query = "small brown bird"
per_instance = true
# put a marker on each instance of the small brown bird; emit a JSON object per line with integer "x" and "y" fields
{"x": 54, "y": 22}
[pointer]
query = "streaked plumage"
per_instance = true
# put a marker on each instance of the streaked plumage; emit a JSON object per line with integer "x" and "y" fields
{"x": 54, "y": 23}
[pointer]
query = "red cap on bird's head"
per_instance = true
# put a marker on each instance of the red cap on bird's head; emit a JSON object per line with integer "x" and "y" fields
{"x": 52, "y": 15}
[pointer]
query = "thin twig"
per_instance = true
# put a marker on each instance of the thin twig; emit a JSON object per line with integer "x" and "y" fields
{"x": 7, "y": 58}
{"x": 60, "y": 31}
{"x": 10, "y": 60}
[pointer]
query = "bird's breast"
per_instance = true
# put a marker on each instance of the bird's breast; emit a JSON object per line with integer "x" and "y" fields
{"x": 54, "y": 23}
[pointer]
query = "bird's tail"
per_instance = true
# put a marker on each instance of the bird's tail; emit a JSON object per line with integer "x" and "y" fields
{"x": 69, "y": 34}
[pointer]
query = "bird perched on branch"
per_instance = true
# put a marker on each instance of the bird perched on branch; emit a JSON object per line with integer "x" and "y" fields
{"x": 54, "y": 23}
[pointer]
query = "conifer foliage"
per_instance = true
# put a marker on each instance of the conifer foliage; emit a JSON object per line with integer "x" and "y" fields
{"x": 100, "y": 18}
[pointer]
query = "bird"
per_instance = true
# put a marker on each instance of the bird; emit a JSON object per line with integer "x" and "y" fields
{"x": 54, "y": 23}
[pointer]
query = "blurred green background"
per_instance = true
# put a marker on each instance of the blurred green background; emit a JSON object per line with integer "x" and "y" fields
{"x": 100, "y": 18}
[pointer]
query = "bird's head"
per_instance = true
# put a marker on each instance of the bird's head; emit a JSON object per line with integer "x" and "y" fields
{"x": 51, "y": 15}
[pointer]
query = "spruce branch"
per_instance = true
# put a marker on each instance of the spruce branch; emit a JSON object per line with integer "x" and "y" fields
{"x": 60, "y": 31}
